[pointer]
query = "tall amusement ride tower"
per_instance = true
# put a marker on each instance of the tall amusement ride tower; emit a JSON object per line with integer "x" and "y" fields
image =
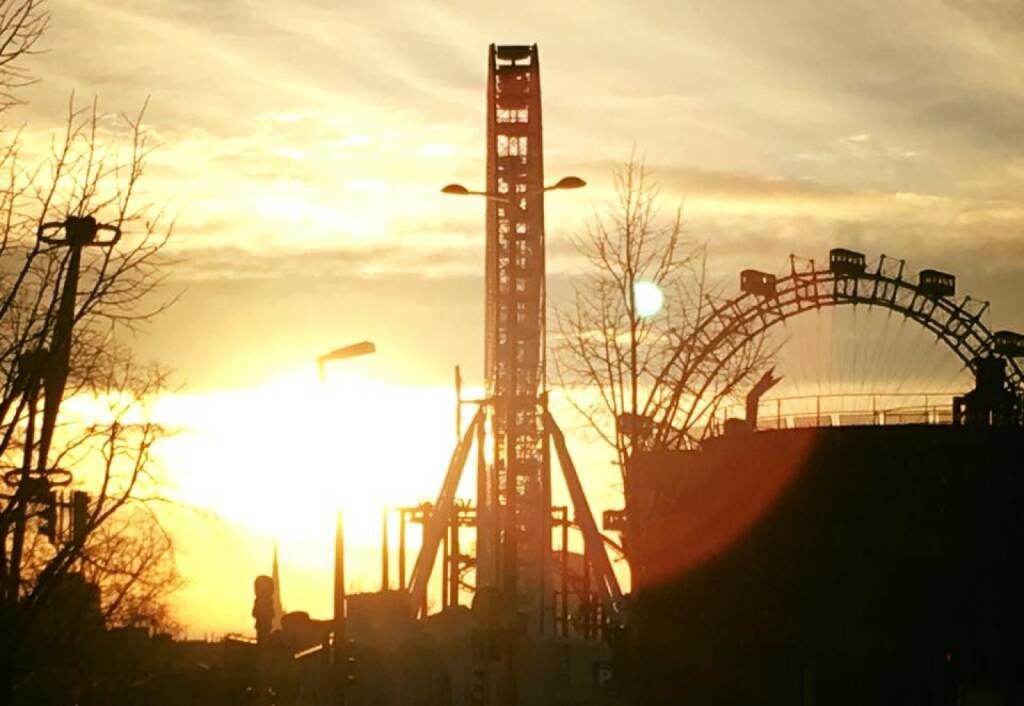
{"x": 514, "y": 488}
{"x": 512, "y": 430}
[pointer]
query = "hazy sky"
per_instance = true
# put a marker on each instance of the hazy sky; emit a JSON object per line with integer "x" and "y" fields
{"x": 304, "y": 143}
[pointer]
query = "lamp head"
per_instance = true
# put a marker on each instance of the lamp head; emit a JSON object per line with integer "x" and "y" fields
{"x": 362, "y": 348}
{"x": 569, "y": 182}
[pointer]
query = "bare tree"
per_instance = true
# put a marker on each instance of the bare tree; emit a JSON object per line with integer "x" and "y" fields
{"x": 22, "y": 24}
{"x": 632, "y": 365}
{"x": 131, "y": 560}
{"x": 80, "y": 258}
{"x": 118, "y": 543}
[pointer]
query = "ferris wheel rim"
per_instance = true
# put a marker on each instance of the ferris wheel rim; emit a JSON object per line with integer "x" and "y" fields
{"x": 748, "y": 315}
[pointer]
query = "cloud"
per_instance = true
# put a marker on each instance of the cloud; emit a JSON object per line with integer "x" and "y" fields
{"x": 1002, "y": 16}
{"x": 306, "y": 142}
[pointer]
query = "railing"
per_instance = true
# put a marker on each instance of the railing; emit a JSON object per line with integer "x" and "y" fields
{"x": 848, "y": 409}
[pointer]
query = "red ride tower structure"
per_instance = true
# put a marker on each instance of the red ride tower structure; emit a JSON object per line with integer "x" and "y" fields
{"x": 514, "y": 488}
{"x": 512, "y": 430}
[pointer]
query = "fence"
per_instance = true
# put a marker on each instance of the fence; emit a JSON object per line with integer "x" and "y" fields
{"x": 845, "y": 409}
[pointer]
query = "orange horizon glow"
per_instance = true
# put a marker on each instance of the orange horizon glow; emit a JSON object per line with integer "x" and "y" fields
{"x": 278, "y": 461}
{"x": 305, "y": 167}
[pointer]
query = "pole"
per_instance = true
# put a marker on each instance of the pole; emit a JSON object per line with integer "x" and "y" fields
{"x": 401, "y": 548}
{"x": 54, "y": 379}
{"x": 565, "y": 570}
{"x": 79, "y": 232}
{"x": 544, "y": 592}
{"x": 453, "y": 573}
{"x": 384, "y": 559}
{"x": 585, "y": 597}
{"x": 60, "y": 354}
{"x": 485, "y": 568}
{"x": 458, "y": 404}
{"x": 446, "y": 561}
{"x": 21, "y": 498}
{"x": 337, "y": 655}
{"x": 339, "y": 586}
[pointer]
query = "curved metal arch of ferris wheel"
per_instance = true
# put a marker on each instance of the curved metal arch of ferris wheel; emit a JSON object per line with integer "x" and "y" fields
{"x": 733, "y": 325}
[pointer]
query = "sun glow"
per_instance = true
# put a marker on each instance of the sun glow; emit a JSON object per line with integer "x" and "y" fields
{"x": 282, "y": 457}
{"x": 648, "y": 297}
{"x": 278, "y": 461}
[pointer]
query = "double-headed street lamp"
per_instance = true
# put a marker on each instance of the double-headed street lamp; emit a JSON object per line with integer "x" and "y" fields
{"x": 46, "y": 369}
{"x": 569, "y": 182}
{"x": 512, "y": 411}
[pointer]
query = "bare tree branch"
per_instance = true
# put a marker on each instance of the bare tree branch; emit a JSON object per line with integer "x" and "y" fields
{"x": 118, "y": 544}
{"x": 639, "y": 378}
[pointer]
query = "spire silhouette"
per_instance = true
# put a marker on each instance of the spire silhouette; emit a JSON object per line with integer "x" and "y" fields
{"x": 278, "y": 610}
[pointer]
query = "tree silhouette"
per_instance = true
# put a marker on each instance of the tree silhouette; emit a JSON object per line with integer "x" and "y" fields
{"x": 79, "y": 485}
{"x": 622, "y": 359}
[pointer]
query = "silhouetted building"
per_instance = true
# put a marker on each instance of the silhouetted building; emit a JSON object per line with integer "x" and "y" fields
{"x": 857, "y": 565}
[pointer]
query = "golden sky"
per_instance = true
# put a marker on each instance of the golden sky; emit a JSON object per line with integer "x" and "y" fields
{"x": 303, "y": 145}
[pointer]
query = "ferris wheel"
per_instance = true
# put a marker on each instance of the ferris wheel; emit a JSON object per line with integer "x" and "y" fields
{"x": 859, "y": 343}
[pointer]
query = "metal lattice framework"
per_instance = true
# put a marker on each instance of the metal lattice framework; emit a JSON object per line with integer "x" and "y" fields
{"x": 513, "y": 509}
{"x": 729, "y": 328}
{"x": 514, "y": 489}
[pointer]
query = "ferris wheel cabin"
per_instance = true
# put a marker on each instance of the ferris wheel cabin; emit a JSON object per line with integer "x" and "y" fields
{"x": 1009, "y": 344}
{"x": 760, "y": 284}
{"x": 936, "y": 284}
{"x": 846, "y": 262}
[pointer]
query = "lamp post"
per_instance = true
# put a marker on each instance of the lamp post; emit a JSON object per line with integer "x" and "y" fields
{"x": 344, "y": 353}
{"x": 79, "y": 232}
{"x": 515, "y": 287}
{"x": 508, "y": 555}
{"x": 46, "y": 370}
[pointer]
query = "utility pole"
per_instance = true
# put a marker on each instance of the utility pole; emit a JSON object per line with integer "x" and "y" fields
{"x": 338, "y": 652}
{"x": 49, "y": 368}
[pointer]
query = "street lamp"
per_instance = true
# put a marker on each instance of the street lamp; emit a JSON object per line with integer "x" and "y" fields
{"x": 569, "y": 182}
{"x": 337, "y": 652}
{"x": 356, "y": 349}
{"x": 46, "y": 369}
{"x": 505, "y": 548}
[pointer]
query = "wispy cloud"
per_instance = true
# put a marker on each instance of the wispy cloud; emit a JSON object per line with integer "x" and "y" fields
{"x": 308, "y": 140}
